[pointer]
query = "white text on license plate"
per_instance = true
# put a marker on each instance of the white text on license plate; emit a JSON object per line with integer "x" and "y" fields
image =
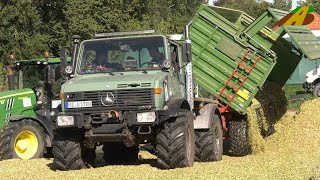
{"x": 78, "y": 104}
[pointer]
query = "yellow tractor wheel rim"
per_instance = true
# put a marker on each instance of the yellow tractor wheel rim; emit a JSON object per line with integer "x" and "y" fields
{"x": 26, "y": 145}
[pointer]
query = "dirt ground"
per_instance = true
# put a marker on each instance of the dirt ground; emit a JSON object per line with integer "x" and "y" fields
{"x": 293, "y": 152}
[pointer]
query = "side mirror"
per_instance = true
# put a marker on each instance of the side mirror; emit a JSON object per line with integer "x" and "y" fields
{"x": 63, "y": 61}
{"x": 51, "y": 76}
{"x": 186, "y": 51}
{"x": 166, "y": 64}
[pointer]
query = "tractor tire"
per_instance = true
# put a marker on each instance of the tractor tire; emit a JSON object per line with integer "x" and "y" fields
{"x": 22, "y": 139}
{"x": 175, "y": 145}
{"x": 70, "y": 154}
{"x": 118, "y": 153}
{"x": 239, "y": 139}
{"x": 209, "y": 142}
{"x": 316, "y": 90}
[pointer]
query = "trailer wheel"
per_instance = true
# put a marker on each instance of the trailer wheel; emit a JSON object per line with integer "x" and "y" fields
{"x": 239, "y": 139}
{"x": 316, "y": 90}
{"x": 175, "y": 145}
{"x": 115, "y": 153}
{"x": 209, "y": 142}
{"x": 70, "y": 154}
{"x": 22, "y": 139}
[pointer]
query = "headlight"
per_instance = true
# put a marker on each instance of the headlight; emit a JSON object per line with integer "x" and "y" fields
{"x": 68, "y": 69}
{"x": 146, "y": 117}
{"x": 38, "y": 93}
{"x": 65, "y": 120}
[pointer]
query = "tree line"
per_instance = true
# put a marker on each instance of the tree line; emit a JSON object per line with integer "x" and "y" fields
{"x": 30, "y": 27}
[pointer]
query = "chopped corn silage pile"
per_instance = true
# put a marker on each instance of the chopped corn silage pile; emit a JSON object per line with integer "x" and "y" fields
{"x": 292, "y": 152}
{"x": 268, "y": 107}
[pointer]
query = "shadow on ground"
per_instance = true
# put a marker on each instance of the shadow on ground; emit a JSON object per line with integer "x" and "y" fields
{"x": 101, "y": 163}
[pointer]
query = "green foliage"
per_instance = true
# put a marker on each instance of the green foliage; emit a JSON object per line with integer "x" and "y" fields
{"x": 292, "y": 91}
{"x": 252, "y": 7}
{"x": 283, "y": 4}
{"x": 21, "y": 32}
{"x": 53, "y": 24}
{"x": 170, "y": 16}
{"x": 30, "y": 27}
{"x": 20, "y": 27}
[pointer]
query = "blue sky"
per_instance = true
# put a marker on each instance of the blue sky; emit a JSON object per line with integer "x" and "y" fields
{"x": 294, "y": 2}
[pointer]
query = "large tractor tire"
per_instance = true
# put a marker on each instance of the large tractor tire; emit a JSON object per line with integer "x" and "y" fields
{"x": 209, "y": 142}
{"x": 316, "y": 90}
{"x": 22, "y": 139}
{"x": 70, "y": 154}
{"x": 175, "y": 145}
{"x": 239, "y": 139}
{"x": 117, "y": 153}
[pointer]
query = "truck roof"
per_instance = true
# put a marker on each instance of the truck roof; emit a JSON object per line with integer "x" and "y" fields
{"x": 40, "y": 61}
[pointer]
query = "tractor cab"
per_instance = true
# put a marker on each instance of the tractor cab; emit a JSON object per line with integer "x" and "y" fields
{"x": 43, "y": 76}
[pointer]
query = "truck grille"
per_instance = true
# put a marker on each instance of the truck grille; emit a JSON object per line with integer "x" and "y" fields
{"x": 123, "y": 99}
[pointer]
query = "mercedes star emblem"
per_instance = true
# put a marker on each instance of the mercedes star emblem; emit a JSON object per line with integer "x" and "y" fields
{"x": 107, "y": 99}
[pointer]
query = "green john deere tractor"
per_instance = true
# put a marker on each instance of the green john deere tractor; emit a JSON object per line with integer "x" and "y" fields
{"x": 25, "y": 113}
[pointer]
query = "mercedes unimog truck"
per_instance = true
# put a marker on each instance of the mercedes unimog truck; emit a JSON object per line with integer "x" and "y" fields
{"x": 132, "y": 88}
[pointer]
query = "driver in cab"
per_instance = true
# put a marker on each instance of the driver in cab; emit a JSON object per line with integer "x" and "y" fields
{"x": 157, "y": 57}
{"x": 102, "y": 62}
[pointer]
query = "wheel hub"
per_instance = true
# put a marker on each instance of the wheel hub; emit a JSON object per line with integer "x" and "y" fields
{"x": 22, "y": 146}
{"x": 26, "y": 144}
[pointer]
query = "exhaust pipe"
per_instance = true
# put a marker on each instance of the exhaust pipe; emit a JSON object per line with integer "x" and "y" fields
{"x": 186, "y": 30}
{"x": 10, "y": 76}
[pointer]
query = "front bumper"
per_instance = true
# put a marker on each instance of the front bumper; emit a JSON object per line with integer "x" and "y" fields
{"x": 130, "y": 118}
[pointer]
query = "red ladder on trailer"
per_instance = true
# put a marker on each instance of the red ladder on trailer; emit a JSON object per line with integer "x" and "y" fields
{"x": 236, "y": 74}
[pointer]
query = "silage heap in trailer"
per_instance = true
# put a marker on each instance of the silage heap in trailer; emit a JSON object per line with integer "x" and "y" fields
{"x": 233, "y": 54}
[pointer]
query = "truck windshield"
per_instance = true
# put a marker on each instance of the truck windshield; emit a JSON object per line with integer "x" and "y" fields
{"x": 122, "y": 54}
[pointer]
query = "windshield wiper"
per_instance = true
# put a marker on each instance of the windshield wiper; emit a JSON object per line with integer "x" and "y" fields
{"x": 114, "y": 73}
{"x": 110, "y": 72}
{"x": 118, "y": 73}
{"x": 145, "y": 71}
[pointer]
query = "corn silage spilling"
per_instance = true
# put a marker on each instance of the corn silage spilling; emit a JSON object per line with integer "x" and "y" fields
{"x": 255, "y": 139}
{"x": 268, "y": 107}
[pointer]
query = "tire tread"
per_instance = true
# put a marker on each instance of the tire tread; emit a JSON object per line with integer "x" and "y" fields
{"x": 67, "y": 153}
{"x": 239, "y": 140}
{"x": 171, "y": 145}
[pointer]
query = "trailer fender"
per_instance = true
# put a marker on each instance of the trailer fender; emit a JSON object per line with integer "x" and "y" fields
{"x": 175, "y": 105}
{"x": 204, "y": 119}
{"x": 45, "y": 124}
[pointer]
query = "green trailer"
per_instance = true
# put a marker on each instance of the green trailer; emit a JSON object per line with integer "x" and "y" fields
{"x": 298, "y": 77}
{"x": 233, "y": 54}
